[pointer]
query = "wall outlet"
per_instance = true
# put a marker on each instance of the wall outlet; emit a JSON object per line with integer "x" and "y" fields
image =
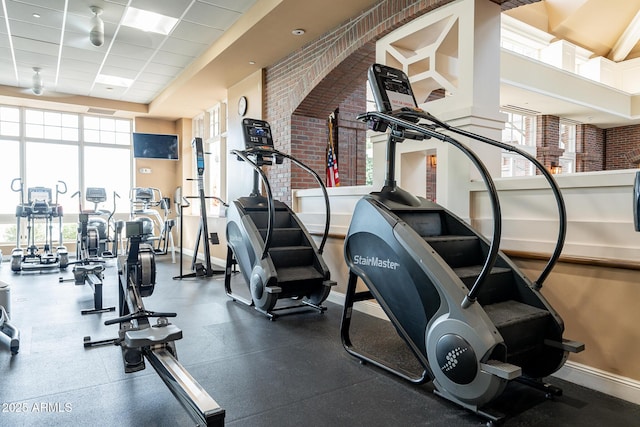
{"x": 144, "y": 170}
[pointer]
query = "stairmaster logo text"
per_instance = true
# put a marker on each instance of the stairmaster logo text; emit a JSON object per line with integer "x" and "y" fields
{"x": 374, "y": 261}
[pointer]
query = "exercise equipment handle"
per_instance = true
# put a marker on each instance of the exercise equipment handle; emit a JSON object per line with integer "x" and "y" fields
{"x": 19, "y": 189}
{"x": 398, "y": 125}
{"x": 270, "y": 209}
{"x": 562, "y": 211}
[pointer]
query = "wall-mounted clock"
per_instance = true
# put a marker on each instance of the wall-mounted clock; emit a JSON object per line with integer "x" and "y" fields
{"x": 242, "y": 106}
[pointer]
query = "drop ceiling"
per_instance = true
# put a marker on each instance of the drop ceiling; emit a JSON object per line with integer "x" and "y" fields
{"x": 215, "y": 44}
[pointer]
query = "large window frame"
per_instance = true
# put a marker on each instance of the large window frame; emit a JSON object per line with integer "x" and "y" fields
{"x": 26, "y": 126}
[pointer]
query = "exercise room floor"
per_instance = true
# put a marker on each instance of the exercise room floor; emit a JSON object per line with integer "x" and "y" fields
{"x": 289, "y": 372}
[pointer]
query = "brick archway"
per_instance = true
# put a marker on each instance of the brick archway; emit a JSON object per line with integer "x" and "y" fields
{"x": 311, "y": 82}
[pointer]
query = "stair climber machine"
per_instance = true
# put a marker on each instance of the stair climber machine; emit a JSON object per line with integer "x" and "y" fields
{"x": 39, "y": 206}
{"x": 92, "y": 245}
{"x": 139, "y": 339}
{"x": 274, "y": 251}
{"x": 471, "y": 318}
{"x": 145, "y": 202}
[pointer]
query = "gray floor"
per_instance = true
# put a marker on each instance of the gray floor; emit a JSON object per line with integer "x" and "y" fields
{"x": 290, "y": 372}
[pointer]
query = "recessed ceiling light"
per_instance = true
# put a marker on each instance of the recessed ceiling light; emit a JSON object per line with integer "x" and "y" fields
{"x": 148, "y": 21}
{"x": 298, "y": 32}
{"x": 35, "y": 15}
{"x": 113, "y": 80}
{"x": 252, "y": 62}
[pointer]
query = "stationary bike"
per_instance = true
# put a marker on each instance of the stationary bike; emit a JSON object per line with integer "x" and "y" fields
{"x": 473, "y": 320}
{"x": 39, "y": 206}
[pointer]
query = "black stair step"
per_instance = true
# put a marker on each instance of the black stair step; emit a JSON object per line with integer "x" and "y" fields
{"x": 292, "y": 236}
{"x": 498, "y": 286}
{"x": 457, "y": 250}
{"x": 282, "y": 218}
{"x": 522, "y": 326}
{"x": 291, "y": 256}
{"x": 297, "y": 274}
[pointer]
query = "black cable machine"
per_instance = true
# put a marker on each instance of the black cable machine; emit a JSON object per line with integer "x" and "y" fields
{"x": 39, "y": 206}
{"x": 139, "y": 339}
{"x": 276, "y": 254}
{"x": 471, "y": 318}
{"x": 199, "y": 269}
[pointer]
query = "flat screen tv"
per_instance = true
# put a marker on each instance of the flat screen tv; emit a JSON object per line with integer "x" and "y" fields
{"x": 155, "y": 146}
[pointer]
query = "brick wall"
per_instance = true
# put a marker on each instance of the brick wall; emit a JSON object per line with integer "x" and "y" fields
{"x": 312, "y": 81}
{"x": 547, "y": 140}
{"x": 622, "y": 147}
{"x": 589, "y": 148}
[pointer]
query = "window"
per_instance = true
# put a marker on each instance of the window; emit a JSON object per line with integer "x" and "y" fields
{"x": 105, "y": 130}
{"x": 43, "y": 147}
{"x": 568, "y": 143}
{"x": 519, "y": 130}
{"x": 211, "y": 126}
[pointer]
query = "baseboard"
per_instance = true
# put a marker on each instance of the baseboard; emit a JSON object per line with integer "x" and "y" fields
{"x": 605, "y": 382}
{"x": 214, "y": 260}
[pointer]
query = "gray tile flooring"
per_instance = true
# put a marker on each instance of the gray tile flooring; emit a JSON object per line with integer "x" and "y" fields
{"x": 290, "y": 372}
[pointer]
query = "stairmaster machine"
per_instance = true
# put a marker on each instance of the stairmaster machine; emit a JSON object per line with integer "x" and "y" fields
{"x": 273, "y": 249}
{"x": 473, "y": 320}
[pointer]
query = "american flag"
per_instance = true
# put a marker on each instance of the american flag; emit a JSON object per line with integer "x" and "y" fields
{"x": 333, "y": 180}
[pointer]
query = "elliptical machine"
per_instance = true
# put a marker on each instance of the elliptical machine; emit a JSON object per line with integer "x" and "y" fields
{"x": 38, "y": 206}
{"x": 145, "y": 202}
{"x": 95, "y": 239}
{"x": 469, "y": 315}
{"x": 138, "y": 339}
{"x": 276, "y": 254}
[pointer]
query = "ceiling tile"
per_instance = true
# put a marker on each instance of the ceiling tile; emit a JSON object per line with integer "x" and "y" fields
{"x": 131, "y": 51}
{"x": 236, "y": 5}
{"x": 141, "y": 38}
{"x": 166, "y": 70}
{"x": 173, "y": 8}
{"x": 184, "y": 47}
{"x": 211, "y": 16}
{"x": 150, "y": 77}
{"x": 170, "y": 58}
{"x": 196, "y": 33}
{"x": 125, "y": 62}
{"x": 27, "y": 31}
{"x": 50, "y": 15}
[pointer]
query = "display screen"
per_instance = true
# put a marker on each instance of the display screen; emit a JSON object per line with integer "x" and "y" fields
{"x": 155, "y": 146}
{"x": 399, "y": 94}
{"x": 257, "y": 133}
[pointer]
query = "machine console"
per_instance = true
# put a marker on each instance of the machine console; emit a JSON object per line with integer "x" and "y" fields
{"x": 257, "y": 135}
{"x": 96, "y": 195}
{"x": 39, "y": 195}
{"x": 391, "y": 88}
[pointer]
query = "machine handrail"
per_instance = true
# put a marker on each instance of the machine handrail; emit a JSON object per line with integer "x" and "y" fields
{"x": 494, "y": 246}
{"x": 327, "y": 222}
{"x": 270, "y": 208}
{"x": 562, "y": 211}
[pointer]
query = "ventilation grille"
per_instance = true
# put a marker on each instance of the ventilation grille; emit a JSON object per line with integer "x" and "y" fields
{"x": 101, "y": 111}
{"x": 520, "y": 110}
